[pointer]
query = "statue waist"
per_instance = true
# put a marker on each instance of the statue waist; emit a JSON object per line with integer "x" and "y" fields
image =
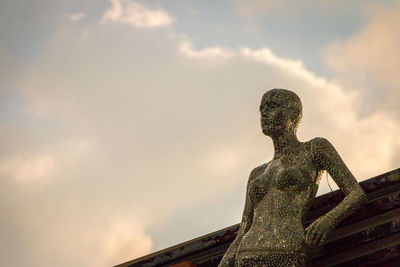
{"x": 244, "y": 252}
{"x": 264, "y": 242}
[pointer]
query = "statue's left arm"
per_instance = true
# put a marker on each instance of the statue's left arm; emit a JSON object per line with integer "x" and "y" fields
{"x": 326, "y": 156}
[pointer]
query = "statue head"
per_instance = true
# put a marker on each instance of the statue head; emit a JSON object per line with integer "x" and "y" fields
{"x": 281, "y": 111}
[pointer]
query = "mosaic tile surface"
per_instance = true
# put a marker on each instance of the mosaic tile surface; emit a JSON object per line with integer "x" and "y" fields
{"x": 280, "y": 192}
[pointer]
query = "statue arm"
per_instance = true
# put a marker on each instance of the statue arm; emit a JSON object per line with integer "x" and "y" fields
{"x": 327, "y": 157}
{"x": 247, "y": 219}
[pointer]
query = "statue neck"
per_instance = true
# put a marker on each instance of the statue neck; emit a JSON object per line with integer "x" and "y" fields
{"x": 285, "y": 144}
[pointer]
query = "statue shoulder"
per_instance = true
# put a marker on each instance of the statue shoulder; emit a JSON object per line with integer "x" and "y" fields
{"x": 257, "y": 171}
{"x": 321, "y": 145}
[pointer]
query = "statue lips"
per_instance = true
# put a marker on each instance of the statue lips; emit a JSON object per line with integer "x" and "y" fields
{"x": 265, "y": 121}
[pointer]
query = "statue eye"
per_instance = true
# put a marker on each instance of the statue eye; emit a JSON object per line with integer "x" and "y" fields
{"x": 272, "y": 105}
{"x": 269, "y": 105}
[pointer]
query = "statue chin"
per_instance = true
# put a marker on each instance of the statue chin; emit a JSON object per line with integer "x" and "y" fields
{"x": 270, "y": 132}
{"x": 265, "y": 131}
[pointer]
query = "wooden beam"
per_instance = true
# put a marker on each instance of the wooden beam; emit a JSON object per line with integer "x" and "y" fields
{"x": 363, "y": 225}
{"x": 184, "y": 264}
{"x": 359, "y": 251}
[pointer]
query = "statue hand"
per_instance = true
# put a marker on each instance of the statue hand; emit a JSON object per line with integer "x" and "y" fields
{"x": 317, "y": 232}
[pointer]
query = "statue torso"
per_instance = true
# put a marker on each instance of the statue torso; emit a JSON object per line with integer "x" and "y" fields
{"x": 281, "y": 195}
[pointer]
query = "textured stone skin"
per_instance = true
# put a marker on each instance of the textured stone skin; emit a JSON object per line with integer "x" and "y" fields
{"x": 280, "y": 192}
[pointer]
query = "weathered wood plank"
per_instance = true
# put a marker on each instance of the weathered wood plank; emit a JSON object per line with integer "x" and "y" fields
{"x": 347, "y": 255}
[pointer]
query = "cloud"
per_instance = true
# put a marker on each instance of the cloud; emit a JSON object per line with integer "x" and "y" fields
{"x": 136, "y": 15}
{"x": 294, "y": 67}
{"x": 334, "y": 111}
{"x": 124, "y": 241}
{"x": 254, "y": 7}
{"x": 141, "y": 132}
{"x": 262, "y": 7}
{"x": 369, "y": 60}
{"x": 216, "y": 52}
{"x": 25, "y": 170}
{"x": 75, "y": 17}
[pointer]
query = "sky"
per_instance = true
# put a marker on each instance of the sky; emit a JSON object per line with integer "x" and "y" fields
{"x": 130, "y": 126}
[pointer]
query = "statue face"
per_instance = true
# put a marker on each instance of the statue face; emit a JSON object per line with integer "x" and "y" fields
{"x": 276, "y": 110}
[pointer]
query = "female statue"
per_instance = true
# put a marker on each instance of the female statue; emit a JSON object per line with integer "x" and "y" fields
{"x": 280, "y": 192}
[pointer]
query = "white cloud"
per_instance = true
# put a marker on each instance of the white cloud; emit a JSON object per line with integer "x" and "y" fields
{"x": 136, "y": 15}
{"x": 77, "y": 16}
{"x": 370, "y": 59}
{"x": 294, "y": 67}
{"x": 216, "y": 52}
{"x": 28, "y": 169}
{"x": 124, "y": 241}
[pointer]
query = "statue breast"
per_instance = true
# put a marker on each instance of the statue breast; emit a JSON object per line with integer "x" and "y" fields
{"x": 294, "y": 176}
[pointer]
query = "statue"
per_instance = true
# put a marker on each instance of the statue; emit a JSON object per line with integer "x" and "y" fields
{"x": 280, "y": 192}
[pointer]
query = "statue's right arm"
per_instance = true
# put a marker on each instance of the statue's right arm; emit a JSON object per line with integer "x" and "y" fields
{"x": 247, "y": 219}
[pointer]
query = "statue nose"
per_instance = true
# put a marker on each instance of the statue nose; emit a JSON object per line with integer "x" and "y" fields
{"x": 264, "y": 111}
{"x": 268, "y": 113}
